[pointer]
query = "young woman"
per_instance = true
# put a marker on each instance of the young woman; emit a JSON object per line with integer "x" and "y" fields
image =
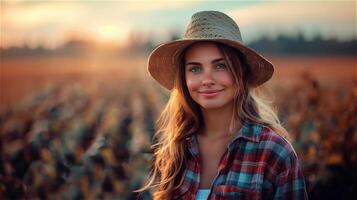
{"x": 216, "y": 138}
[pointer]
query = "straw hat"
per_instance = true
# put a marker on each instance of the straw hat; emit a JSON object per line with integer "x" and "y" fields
{"x": 206, "y": 26}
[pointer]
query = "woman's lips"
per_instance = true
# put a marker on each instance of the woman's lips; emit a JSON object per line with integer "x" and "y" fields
{"x": 212, "y": 93}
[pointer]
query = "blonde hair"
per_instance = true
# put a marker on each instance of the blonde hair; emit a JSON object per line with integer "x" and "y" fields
{"x": 182, "y": 116}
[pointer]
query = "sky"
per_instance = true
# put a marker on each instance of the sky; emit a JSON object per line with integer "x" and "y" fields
{"x": 51, "y": 23}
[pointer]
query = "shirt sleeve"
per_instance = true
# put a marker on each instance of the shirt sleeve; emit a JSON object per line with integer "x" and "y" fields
{"x": 290, "y": 182}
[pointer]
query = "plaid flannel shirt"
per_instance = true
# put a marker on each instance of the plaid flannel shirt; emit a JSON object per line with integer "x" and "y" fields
{"x": 258, "y": 164}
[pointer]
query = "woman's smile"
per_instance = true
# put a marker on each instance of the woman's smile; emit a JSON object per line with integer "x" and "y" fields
{"x": 210, "y": 93}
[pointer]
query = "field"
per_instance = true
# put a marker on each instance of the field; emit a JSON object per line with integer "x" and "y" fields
{"x": 74, "y": 125}
{"x": 21, "y": 77}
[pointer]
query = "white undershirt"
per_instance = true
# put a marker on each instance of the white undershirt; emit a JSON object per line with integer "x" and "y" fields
{"x": 202, "y": 194}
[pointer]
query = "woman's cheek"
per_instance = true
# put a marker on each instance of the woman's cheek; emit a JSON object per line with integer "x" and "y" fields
{"x": 225, "y": 79}
{"x": 193, "y": 84}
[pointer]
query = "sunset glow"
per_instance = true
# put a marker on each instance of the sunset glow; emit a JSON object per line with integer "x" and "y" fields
{"x": 50, "y": 23}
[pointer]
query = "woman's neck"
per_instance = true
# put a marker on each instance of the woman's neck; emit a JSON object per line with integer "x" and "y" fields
{"x": 217, "y": 122}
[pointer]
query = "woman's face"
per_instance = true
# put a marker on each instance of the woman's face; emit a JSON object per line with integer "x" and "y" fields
{"x": 208, "y": 78}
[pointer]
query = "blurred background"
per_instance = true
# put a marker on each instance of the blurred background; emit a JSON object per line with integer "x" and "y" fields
{"x": 78, "y": 108}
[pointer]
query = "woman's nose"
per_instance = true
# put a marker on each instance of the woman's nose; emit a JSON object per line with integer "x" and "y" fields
{"x": 208, "y": 79}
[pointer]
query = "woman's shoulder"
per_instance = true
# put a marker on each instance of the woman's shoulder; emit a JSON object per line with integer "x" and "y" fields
{"x": 271, "y": 138}
{"x": 279, "y": 150}
{"x": 270, "y": 145}
{"x": 265, "y": 136}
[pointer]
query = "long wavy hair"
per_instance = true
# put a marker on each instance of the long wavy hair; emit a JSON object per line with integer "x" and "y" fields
{"x": 182, "y": 117}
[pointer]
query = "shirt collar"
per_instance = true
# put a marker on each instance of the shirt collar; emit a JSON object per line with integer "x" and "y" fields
{"x": 249, "y": 131}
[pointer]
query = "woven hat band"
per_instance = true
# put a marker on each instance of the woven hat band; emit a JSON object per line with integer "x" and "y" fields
{"x": 212, "y": 25}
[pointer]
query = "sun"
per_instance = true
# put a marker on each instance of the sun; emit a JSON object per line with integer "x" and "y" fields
{"x": 110, "y": 33}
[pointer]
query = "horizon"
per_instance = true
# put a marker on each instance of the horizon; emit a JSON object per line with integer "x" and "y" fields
{"x": 85, "y": 39}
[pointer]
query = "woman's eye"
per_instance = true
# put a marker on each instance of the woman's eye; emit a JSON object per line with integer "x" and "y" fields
{"x": 194, "y": 69}
{"x": 221, "y": 66}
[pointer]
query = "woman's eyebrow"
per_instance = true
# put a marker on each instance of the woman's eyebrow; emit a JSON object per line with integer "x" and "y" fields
{"x": 197, "y": 63}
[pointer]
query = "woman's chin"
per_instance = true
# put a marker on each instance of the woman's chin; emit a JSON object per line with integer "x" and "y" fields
{"x": 215, "y": 104}
{"x": 211, "y": 105}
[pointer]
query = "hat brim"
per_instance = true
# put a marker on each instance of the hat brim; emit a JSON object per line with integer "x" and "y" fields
{"x": 163, "y": 61}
